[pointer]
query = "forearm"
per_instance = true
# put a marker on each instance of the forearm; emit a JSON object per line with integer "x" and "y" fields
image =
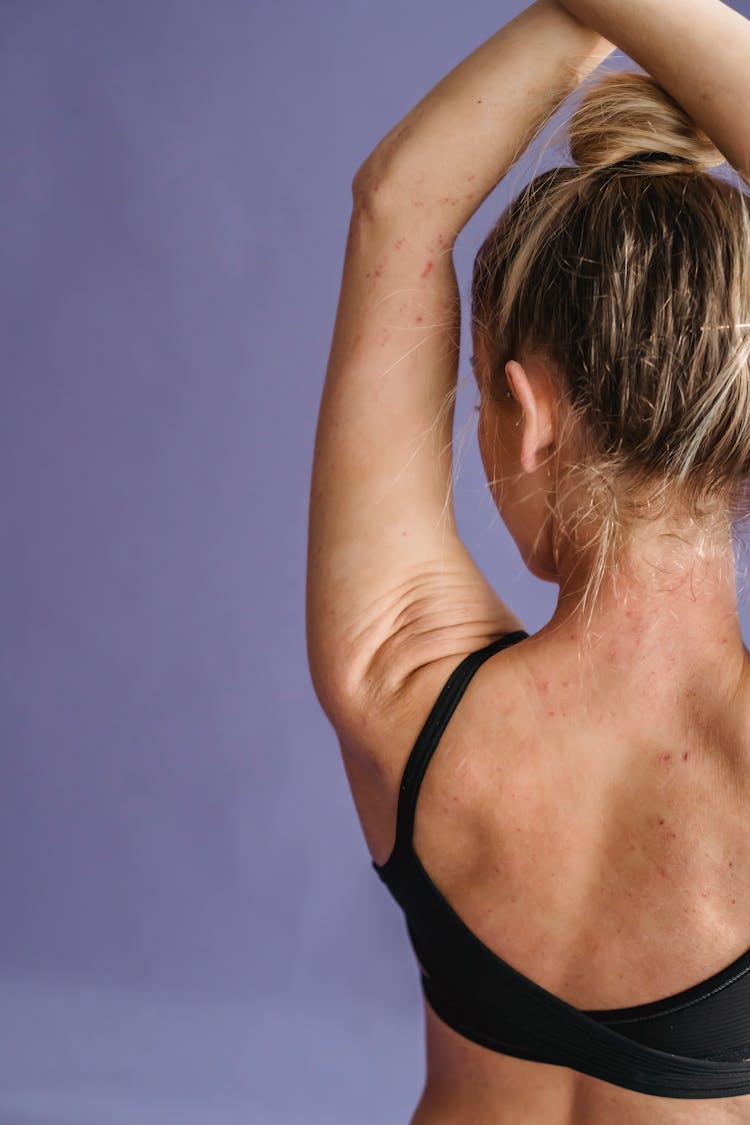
{"x": 697, "y": 50}
{"x": 445, "y": 157}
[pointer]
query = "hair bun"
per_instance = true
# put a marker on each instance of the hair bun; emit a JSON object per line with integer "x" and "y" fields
{"x": 627, "y": 116}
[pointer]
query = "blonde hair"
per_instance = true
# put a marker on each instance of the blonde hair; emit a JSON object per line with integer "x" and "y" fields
{"x": 633, "y": 280}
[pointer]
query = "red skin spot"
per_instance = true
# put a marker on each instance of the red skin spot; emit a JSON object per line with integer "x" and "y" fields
{"x": 684, "y": 755}
{"x": 379, "y": 271}
{"x": 731, "y": 864}
{"x": 661, "y": 820}
{"x": 662, "y": 872}
{"x": 404, "y": 533}
{"x": 544, "y": 684}
{"x": 420, "y": 319}
{"x": 427, "y": 269}
{"x": 470, "y": 178}
{"x": 419, "y": 203}
{"x": 665, "y": 757}
{"x": 734, "y": 901}
{"x": 399, "y": 244}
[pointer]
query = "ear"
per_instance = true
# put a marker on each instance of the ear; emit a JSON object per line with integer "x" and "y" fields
{"x": 532, "y": 389}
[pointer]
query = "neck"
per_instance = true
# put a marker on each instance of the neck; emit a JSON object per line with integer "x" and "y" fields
{"x": 669, "y": 604}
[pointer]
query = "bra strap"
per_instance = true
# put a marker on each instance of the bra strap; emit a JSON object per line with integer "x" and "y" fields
{"x": 429, "y": 737}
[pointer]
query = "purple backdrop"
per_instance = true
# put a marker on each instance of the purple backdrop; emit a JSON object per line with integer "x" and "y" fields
{"x": 191, "y": 930}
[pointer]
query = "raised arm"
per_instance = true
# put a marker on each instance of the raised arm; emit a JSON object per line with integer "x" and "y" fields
{"x": 391, "y": 588}
{"x": 697, "y": 50}
{"x": 443, "y": 159}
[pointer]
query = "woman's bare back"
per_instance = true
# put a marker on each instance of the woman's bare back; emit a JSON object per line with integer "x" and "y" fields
{"x": 599, "y": 842}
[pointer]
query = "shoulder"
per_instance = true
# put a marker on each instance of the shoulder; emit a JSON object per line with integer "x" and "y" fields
{"x": 378, "y": 737}
{"x": 407, "y": 675}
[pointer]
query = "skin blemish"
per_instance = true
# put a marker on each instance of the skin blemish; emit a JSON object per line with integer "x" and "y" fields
{"x": 378, "y": 271}
{"x": 419, "y": 203}
{"x": 734, "y": 900}
{"x": 731, "y": 864}
{"x": 684, "y": 755}
{"x": 399, "y": 244}
{"x": 470, "y": 178}
{"x": 427, "y": 269}
{"x": 419, "y": 319}
{"x": 665, "y": 757}
{"x": 661, "y": 820}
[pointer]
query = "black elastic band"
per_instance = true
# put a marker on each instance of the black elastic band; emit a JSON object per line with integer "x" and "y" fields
{"x": 637, "y": 158}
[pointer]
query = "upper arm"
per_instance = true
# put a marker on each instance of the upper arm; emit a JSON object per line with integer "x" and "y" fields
{"x": 386, "y": 569}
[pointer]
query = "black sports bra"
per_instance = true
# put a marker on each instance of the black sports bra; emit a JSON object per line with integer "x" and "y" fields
{"x": 688, "y": 1045}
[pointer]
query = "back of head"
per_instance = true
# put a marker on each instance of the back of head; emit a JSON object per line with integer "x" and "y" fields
{"x": 630, "y": 273}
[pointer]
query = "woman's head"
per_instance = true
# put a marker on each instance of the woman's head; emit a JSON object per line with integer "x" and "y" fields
{"x": 611, "y": 325}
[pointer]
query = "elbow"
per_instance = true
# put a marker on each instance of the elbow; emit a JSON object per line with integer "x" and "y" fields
{"x": 372, "y": 192}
